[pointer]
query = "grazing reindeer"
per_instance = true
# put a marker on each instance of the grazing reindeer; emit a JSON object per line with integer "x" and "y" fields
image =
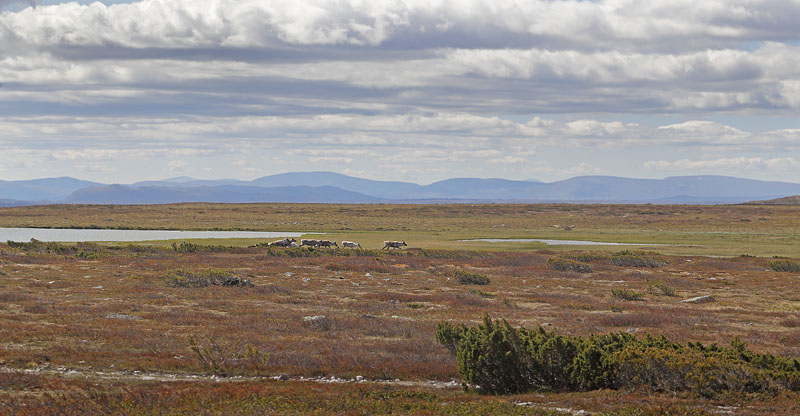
{"x": 326, "y": 243}
{"x": 350, "y": 244}
{"x": 393, "y": 244}
{"x": 309, "y": 242}
{"x": 286, "y": 242}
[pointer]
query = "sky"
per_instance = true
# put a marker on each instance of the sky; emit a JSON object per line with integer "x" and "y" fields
{"x": 412, "y": 90}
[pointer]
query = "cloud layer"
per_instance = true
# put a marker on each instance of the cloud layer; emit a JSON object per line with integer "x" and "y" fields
{"x": 431, "y": 88}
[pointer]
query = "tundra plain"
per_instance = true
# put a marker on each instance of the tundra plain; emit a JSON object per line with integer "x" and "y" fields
{"x": 149, "y": 329}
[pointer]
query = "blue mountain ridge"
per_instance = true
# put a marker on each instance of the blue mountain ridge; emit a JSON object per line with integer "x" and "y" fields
{"x": 330, "y": 187}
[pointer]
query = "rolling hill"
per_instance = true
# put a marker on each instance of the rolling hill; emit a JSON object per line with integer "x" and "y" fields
{"x": 330, "y": 187}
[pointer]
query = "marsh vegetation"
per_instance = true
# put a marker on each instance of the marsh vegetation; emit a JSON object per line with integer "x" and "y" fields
{"x": 112, "y": 313}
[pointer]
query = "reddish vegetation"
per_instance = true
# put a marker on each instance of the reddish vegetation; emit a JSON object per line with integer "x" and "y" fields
{"x": 117, "y": 312}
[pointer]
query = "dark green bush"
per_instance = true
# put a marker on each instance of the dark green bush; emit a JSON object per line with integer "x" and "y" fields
{"x": 784, "y": 266}
{"x": 627, "y": 294}
{"x": 185, "y": 247}
{"x": 501, "y": 359}
{"x": 467, "y": 278}
{"x": 662, "y": 287}
{"x": 586, "y": 257}
{"x": 630, "y": 258}
{"x": 204, "y": 278}
{"x": 568, "y": 265}
{"x": 41, "y": 246}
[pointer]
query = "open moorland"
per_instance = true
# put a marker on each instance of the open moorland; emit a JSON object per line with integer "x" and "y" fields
{"x": 205, "y": 327}
{"x": 729, "y": 230}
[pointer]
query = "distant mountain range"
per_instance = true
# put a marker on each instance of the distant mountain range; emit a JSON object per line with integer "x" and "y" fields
{"x": 329, "y": 187}
{"x": 789, "y": 200}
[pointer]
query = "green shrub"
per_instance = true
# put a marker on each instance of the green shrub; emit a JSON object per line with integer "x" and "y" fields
{"x": 185, "y": 247}
{"x": 568, "y": 265}
{"x": 784, "y": 266}
{"x": 586, "y": 257}
{"x": 627, "y": 294}
{"x": 630, "y": 258}
{"x": 204, "y": 278}
{"x": 41, "y": 246}
{"x": 662, "y": 287}
{"x": 450, "y": 335}
{"x": 490, "y": 356}
{"x": 670, "y": 370}
{"x": 501, "y": 359}
{"x": 468, "y": 278}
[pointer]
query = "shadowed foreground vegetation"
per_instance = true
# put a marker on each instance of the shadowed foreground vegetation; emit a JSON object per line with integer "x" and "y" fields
{"x": 501, "y": 359}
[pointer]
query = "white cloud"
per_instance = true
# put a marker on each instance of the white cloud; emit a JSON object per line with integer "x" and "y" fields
{"x": 508, "y": 160}
{"x": 202, "y": 23}
{"x": 726, "y": 164}
{"x": 582, "y": 168}
{"x": 176, "y": 165}
{"x": 330, "y": 159}
{"x": 416, "y": 84}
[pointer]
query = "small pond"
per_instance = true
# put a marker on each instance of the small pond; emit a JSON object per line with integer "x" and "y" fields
{"x": 556, "y": 242}
{"x": 80, "y": 235}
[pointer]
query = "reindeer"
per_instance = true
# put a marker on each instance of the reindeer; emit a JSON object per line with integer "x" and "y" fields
{"x": 309, "y": 242}
{"x": 393, "y": 244}
{"x": 286, "y": 242}
{"x": 327, "y": 243}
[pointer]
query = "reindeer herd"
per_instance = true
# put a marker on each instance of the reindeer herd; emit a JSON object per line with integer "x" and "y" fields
{"x": 291, "y": 242}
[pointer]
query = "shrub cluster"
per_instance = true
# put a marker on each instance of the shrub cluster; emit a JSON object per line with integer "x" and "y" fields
{"x": 501, "y": 359}
{"x": 784, "y": 266}
{"x": 630, "y": 258}
{"x": 84, "y": 251}
{"x": 627, "y": 294}
{"x": 663, "y": 287}
{"x": 228, "y": 359}
{"x": 467, "y": 278}
{"x": 41, "y": 246}
{"x": 586, "y": 257}
{"x": 186, "y": 247}
{"x": 568, "y": 265}
{"x": 204, "y": 278}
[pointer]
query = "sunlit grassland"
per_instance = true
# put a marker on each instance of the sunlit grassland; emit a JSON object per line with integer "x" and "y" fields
{"x": 728, "y": 230}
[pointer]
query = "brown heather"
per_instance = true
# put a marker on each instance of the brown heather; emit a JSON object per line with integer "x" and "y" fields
{"x": 113, "y": 311}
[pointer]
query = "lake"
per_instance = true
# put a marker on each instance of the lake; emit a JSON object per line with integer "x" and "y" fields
{"x": 77, "y": 235}
{"x": 556, "y": 242}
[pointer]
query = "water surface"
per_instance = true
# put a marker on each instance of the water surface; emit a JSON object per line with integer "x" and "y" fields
{"x": 556, "y": 242}
{"x": 76, "y": 235}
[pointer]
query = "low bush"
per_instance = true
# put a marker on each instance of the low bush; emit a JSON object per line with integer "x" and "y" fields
{"x": 468, "y": 278}
{"x": 630, "y": 258}
{"x": 586, "y": 257}
{"x": 228, "y": 359}
{"x": 204, "y": 278}
{"x": 568, "y": 265}
{"x": 784, "y": 266}
{"x": 501, "y": 359}
{"x": 482, "y": 293}
{"x": 662, "y": 288}
{"x": 41, "y": 246}
{"x": 185, "y": 247}
{"x": 627, "y": 294}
